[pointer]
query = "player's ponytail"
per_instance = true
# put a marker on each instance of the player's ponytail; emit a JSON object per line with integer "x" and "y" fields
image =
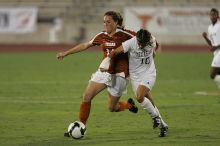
{"x": 120, "y": 20}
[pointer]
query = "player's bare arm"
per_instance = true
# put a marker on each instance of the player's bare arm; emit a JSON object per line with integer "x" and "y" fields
{"x": 116, "y": 51}
{"x": 76, "y": 49}
{"x": 215, "y": 47}
{"x": 204, "y": 34}
{"x": 104, "y": 66}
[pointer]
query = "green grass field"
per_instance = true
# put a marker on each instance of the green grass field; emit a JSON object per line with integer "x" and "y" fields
{"x": 40, "y": 96}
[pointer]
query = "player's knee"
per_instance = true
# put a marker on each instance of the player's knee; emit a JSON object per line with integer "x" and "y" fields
{"x": 87, "y": 97}
{"x": 140, "y": 98}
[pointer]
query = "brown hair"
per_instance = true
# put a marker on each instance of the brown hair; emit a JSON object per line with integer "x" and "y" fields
{"x": 215, "y": 10}
{"x": 115, "y": 16}
{"x": 144, "y": 37}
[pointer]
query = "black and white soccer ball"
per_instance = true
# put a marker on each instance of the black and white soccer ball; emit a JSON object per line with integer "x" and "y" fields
{"x": 77, "y": 130}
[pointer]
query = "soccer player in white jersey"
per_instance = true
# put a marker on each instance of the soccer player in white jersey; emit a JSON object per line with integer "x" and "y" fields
{"x": 142, "y": 72}
{"x": 213, "y": 40}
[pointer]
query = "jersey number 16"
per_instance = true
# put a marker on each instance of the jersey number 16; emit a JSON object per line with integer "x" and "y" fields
{"x": 145, "y": 60}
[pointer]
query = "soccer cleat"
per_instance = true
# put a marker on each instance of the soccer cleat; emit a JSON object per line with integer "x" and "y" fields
{"x": 66, "y": 134}
{"x": 156, "y": 122}
{"x": 134, "y": 108}
{"x": 163, "y": 131}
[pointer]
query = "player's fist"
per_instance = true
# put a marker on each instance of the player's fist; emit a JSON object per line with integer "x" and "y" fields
{"x": 61, "y": 55}
{"x": 104, "y": 66}
{"x": 204, "y": 34}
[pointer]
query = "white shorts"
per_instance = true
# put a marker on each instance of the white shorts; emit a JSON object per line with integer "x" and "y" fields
{"x": 119, "y": 85}
{"x": 102, "y": 78}
{"x": 146, "y": 80}
{"x": 116, "y": 85}
{"x": 216, "y": 59}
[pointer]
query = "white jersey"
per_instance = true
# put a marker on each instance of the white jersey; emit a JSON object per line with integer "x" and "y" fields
{"x": 141, "y": 63}
{"x": 140, "y": 60}
{"x": 214, "y": 37}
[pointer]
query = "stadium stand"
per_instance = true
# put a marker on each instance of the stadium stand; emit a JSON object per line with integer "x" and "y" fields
{"x": 81, "y": 20}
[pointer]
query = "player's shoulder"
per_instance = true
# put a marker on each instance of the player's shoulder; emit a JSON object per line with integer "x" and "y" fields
{"x": 97, "y": 39}
{"x": 130, "y": 31}
{"x": 131, "y": 42}
{"x": 126, "y": 32}
{"x": 99, "y": 35}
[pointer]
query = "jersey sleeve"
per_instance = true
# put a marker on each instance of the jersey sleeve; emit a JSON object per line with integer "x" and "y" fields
{"x": 97, "y": 40}
{"x": 128, "y": 44}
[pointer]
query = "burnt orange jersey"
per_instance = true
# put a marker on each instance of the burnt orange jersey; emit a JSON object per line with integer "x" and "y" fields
{"x": 119, "y": 64}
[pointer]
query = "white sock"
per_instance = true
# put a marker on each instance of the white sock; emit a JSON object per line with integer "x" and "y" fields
{"x": 217, "y": 80}
{"x": 162, "y": 121}
{"x": 148, "y": 106}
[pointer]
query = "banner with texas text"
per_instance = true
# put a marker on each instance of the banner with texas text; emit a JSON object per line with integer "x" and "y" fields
{"x": 168, "y": 20}
{"x": 18, "y": 20}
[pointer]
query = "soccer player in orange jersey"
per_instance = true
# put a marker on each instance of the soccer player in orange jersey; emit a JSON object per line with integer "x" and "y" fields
{"x": 115, "y": 79}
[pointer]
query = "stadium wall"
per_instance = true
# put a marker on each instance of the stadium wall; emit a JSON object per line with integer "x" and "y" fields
{"x": 61, "y": 47}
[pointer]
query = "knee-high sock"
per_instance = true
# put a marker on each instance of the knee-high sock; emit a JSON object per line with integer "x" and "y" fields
{"x": 217, "y": 80}
{"x": 84, "y": 111}
{"x": 148, "y": 106}
{"x": 162, "y": 121}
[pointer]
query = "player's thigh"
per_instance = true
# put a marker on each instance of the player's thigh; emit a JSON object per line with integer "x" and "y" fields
{"x": 99, "y": 81}
{"x": 146, "y": 81}
{"x": 92, "y": 89}
{"x": 142, "y": 91}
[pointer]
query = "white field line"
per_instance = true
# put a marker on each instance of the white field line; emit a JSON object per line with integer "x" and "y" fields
{"x": 204, "y": 93}
{"x": 32, "y": 101}
{"x": 51, "y": 101}
{"x": 38, "y": 102}
{"x": 38, "y": 82}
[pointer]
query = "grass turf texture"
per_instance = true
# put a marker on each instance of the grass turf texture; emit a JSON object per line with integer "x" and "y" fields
{"x": 40, "y": 96}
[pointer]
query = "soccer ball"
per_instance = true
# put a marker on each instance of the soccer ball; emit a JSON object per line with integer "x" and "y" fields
{"x": 77, "y": 130}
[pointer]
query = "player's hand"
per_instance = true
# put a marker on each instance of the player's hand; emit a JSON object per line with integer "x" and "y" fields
{"x": 104, "y": 66}
{"x": 204, "y": 34}
{"x": 61, "y": 55}
{"x": 214, "y": 48}
{"x": 103, "y": 69}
